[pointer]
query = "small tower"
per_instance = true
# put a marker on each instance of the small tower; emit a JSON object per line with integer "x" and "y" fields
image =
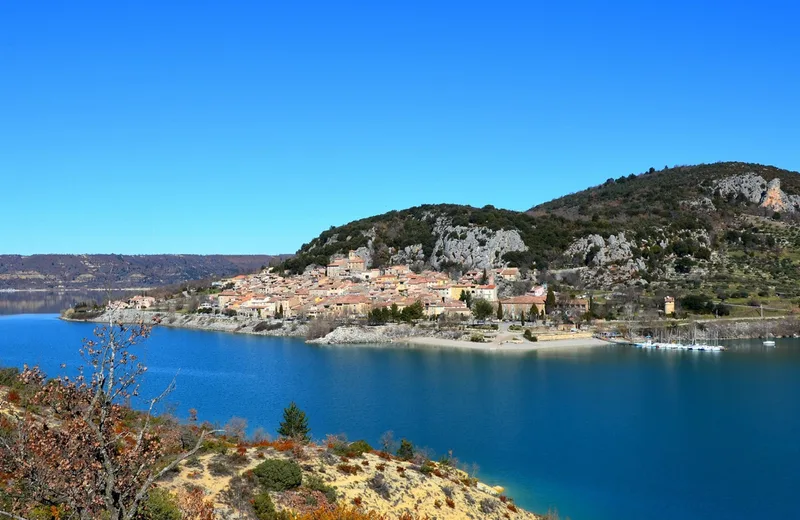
{"x": 669, "y": 305}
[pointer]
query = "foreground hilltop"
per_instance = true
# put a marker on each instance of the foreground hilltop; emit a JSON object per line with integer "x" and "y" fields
{"x": 336, "y": 477}
{"x": 58, "y": 271}
{"x": 729, "y": 224}
{"x": 50, "y": 459}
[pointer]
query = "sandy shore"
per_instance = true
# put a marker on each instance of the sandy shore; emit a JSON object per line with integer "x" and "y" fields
{"x": 526, "y": 346}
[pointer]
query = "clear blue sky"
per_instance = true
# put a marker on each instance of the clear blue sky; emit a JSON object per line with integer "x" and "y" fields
{"x": 233, "y": 127}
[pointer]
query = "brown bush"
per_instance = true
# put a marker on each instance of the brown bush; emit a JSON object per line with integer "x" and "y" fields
{"x": 319, "y": 328}
{"x": 348, "y": 469}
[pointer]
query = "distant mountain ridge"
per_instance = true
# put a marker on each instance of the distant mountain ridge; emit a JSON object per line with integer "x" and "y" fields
{"x": 101, "y": 271}
{"x": 727, "y": 224}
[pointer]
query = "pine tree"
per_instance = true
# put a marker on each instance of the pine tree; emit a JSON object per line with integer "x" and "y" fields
{"x": 294, "y": 424}
{"x": 499, "y": 310}
{"x": 406, "y": 450}
{"x": 482, "y": 309}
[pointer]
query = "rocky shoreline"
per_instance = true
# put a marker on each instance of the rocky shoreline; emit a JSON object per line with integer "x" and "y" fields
{"x": 214, "y": 323}
{"x": 350, "y": 334}
{"x": 405, "y": 333}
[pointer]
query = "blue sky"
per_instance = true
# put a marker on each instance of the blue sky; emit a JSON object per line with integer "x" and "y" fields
{"x": 236, "y": 127}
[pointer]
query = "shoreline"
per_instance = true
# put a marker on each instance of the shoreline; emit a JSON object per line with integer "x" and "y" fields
{"x": 399, "y": 335}
{"x": 526, "y": 346}
{"x": 390, "y": 336}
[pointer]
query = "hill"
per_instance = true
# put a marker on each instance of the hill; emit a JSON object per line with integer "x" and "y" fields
{"x": 725, "y": 226}
{"x": 445, "y": 236}
{"x": 120, "y": 271}
{"x": 661, "y": 196}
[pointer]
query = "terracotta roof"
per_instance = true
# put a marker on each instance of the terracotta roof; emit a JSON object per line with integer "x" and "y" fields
{"x": 525, "y": 299}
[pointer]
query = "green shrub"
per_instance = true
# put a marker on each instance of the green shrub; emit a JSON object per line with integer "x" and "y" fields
{"x": 278, "y": 475}
{"x": 529, "y": 335}
{"x": 476, "y": 338}
{"x": 263, "y": 506}
{"x": 219, "y": 467}
{"x": 354, "y": 449}
{"x": 215, "y": 445}
{"x": 9, "y": 377}
{"x": 160, "y": 505}
{"x": 315, "y": 483}
{"x": 427, "y": 468}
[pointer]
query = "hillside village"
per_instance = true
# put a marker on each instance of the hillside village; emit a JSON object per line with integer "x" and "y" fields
{"x": 347, "y": 288}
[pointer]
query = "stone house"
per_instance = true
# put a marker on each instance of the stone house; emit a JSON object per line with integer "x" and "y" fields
{"x": 514, "y": 307}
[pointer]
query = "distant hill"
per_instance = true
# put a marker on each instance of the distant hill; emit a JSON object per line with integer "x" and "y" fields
{"x": 725, "y": 227}
{"x": 120, "y": 271}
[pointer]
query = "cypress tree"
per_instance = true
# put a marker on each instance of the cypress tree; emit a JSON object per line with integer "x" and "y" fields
{"x": 499, "y": 310}
{"x": 550, "y": 301}
{"x": 294, "y": 424}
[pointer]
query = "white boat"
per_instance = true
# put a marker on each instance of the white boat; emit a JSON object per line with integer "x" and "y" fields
{"x": 769, "y": 343}
{"x": 681, "y": 346}
{"x": 694, "y": 346}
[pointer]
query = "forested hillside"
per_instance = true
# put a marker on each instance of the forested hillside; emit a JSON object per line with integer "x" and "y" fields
{"x": 727, "y": 225}
{"x": 446, "y": 234}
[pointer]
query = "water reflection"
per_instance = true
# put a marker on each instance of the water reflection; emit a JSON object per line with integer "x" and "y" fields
{"x": 43, "y": 302}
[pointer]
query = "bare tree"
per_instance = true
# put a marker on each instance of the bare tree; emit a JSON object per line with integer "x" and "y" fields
{"x": 388, "y": 442}
{"x": 85, "y": 452}
{"x": 236, "y": 428}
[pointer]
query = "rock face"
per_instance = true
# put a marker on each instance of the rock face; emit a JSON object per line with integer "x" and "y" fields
{"x": 774, "y": 198}
{"x": 617, "y": 261}
{"x": 595, "y": 250}
{"x": 755, "y": 189}
{"x": 748, "y": 186}
{"x": 475, "y": 247}
{"x": 409, "y": 255}
{"x": 610, "y": 261}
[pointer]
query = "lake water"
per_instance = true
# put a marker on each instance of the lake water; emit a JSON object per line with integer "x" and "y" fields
{"x": 41, "y": 302}
{"x": 603, "y": 433}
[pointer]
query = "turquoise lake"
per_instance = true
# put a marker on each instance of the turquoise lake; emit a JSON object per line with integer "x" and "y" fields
{"x": 602, "y": 433}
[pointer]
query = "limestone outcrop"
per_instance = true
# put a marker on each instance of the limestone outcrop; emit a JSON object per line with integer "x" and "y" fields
{"x": 476, "y": 247}
{"x": 754, "y": 189}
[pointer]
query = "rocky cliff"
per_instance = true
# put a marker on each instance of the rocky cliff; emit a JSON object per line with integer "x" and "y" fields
{"x": 754, "y": 189}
